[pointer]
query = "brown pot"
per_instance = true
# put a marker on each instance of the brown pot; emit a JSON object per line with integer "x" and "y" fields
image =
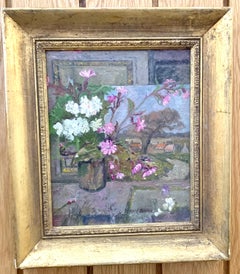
{"x": 92, "y": 175}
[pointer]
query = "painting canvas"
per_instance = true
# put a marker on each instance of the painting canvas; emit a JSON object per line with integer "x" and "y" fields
{"x": 119, "y": 126}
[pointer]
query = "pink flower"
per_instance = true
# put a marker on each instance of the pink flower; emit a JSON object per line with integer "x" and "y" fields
{"x": 140, "y": 124}
{"x": 87, "y": 73}
{"x": 113, "y": 176}
{"x": 137, "y": 168}
{"x": 71, "y": 201}
{"x": 165, "y": 190}
{"x": 166, "y": 99}
{"x": 111, "y": 98}
{"x": 121, "y": 90}
{"x": 186, "y": 94}
{"x": 169, "y": 83}
{"x": 107, "y": 128}
{"x": 111, "y": 165}
{"x": 108, "y": 147}
{"x": 120, "y": 175}
{"x": 149, "y": 172}
{"x": 176, "y": 93}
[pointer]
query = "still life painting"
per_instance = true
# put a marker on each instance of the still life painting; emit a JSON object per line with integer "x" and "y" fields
{"x": 119, "y": 131}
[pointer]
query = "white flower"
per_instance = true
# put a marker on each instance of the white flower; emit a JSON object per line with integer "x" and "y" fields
{"x": 74, "y": 127}
{"x": 157, "y": 213}
{"x": 90, "y": 107}
{"x": 169, "y": 204}
{"x": 97, "y": 104}
{"x": 59, "y": 128}
{"x": 85, "y": 106}
{"x": 96, "y": 124}
{"x": 72, "y": 108}
{"x": 83, "y": 126}
{"x": 68, "y": 129}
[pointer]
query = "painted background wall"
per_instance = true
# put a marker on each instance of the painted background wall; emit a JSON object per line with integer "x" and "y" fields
{"x": 6, "y": 210}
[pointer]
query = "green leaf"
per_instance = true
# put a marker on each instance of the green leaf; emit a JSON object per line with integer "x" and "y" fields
{"x": 58, "y": 112}
{"x": 88, "y": 152}
{"x": 100, "y": 91}
{"x": 131, "y": 105}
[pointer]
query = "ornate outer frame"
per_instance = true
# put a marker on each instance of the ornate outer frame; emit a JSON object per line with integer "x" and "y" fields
{"x": 212, "y": 28}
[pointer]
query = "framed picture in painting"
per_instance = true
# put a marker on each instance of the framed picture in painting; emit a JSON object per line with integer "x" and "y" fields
{"x": 125, "y": 133}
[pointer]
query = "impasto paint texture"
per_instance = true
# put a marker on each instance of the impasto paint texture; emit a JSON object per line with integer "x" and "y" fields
{"x": 119, "y": 124}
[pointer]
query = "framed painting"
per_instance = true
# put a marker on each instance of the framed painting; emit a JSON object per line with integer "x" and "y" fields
{"x": 118, "y": 129}
{"x": 124, "y": 134}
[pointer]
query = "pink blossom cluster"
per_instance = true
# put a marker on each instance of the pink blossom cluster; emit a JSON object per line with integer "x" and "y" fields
{"x": 108, "y": 147}
{"x": 143, "y": 168}
{"x": 116, "y": 100}
{"x": 71, "y": 201}
{"x": 170, "y": 89}
{"x": 114, "y": 171}
{"x": 87, "y": 73}
{"x": 138, "y": 122}
{"x": 112, "y": 98}
{"x": 169, "y": 84}
{"x": 107, "y": 129}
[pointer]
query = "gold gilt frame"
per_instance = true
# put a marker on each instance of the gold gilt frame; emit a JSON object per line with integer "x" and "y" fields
{"x": 28, "y": 35}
